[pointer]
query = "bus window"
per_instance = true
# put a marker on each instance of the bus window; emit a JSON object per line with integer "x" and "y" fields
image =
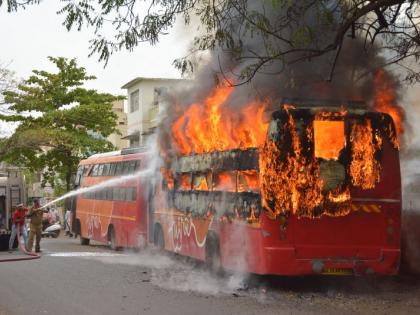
{"x": 115, "y": 193}
{"x": 202, "y": 181}
{"x": 132, "y": 194}
{"x": 86, "y": 169}
{"x": 123, "y": 194}
{"x": 95, "y": 170}
{"x": 184, "y": 181}
{"x": 109, "y": 195}
{"x": 248, "y": 181}
{"x": 78, "y": 175}
{"x": 119, "y": 169}
{"x": 167, "y": 179}
{"x": 105, "y": 171}
{"x": 329, "y": 139}
{"x": 125, "y": 169}
{"x": 112, "y": 168}
{"x": 137, "y": 167}
{"x": 224, "y": 181}
{"x": 100, "y": 169}
{"x": 131, "y": 167}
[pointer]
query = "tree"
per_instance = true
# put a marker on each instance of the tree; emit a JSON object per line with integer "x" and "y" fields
{"x": 287, "y": 32}
{"x": 60, "y": 122}
{"x": 7, "y": 83}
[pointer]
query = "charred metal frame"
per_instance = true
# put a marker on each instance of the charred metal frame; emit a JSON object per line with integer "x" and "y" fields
{"x": 246, "y": 205}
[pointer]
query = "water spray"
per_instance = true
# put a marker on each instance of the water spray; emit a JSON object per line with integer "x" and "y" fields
{"x": 104, "y": 184}
{"x": 149, "y": 171}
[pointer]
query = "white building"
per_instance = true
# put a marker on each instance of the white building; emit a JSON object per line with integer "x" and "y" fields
{"x": 144, "y": 97}
{"x": 118, "y": 140}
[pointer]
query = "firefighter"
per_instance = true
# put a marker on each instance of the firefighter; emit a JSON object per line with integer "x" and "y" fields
{"x": 18, "y": 226}
{"x": 35, "y": 215}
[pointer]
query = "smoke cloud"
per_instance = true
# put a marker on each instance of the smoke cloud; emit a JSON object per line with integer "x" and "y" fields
{"x": 352, "y": 73}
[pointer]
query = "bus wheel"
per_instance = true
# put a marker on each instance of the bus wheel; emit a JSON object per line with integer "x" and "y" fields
{"x": 158, "y": 239}
{"x": 112, "y": 238}
{"x": 84, "y": 241}
{"x": 213, "y": 260}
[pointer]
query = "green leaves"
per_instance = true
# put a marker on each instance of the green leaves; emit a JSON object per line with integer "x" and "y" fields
{"x": 60, "y": 122}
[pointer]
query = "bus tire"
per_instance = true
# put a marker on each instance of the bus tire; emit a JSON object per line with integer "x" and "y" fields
{"x": 112, "y": 238}
{"x": 158, "y": 238}
{"x": 84, "y": 241}
{"x": 213, "y": 258}
{"x": 76, "y": 229}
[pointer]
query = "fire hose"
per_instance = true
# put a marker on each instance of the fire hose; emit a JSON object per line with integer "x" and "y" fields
{"x": 29, "y": 255}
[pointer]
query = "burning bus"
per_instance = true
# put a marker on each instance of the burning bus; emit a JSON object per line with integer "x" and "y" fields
{"x": 315, "y": 189}
{"x": 320, "y": 195}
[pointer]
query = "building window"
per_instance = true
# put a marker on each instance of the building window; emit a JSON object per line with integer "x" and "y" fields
{"x": 159, "y": 93}
{"x": 134, "y": 101}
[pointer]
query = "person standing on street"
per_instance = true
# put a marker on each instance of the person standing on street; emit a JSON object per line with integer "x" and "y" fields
{"x": 67, "y": 223}
{"x": 35, "y": 214}
{"x": 18, "y": 225}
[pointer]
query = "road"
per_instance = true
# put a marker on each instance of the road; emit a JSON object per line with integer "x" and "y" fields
{"x": 74, "y": 279}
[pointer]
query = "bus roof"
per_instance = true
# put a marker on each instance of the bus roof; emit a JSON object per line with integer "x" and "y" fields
{"x": 116, "y": 156}
{"x": 99, "y": 155}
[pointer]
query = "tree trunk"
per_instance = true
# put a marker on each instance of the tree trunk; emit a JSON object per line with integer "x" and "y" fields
{"x": 69, "y": 171}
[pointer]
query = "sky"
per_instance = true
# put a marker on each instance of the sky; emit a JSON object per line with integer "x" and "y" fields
{"x": 29, "y": 36}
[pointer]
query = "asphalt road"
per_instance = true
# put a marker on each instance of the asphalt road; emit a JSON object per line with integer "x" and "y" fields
{"x": 74, "y": 279}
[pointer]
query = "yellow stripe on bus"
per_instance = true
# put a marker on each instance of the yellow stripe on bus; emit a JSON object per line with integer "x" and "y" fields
{"x": 109, "y": 216}
{"x": 368, "y": 208}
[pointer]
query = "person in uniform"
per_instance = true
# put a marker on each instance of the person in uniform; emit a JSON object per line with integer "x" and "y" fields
{"x": 35, "y": 214}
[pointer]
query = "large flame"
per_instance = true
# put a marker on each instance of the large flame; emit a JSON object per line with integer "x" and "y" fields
{"x": 210, "y": 126}
{"x": 289, "y": 184}
{"x": 386, "y": 99}
{"x": 364, "y": 167}
{"x": 309, "y": 169}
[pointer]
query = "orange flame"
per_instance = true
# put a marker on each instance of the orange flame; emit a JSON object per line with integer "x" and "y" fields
{"x": 291, "y": 184}
{"x": 201, "y": 184}
{"x": 248, "y": 181}
{"x": 184, "y": 182}
{"x": 168, "y": 177}
{"x": 364, "y": 168}
{"x": 224, "y": 181}
{"x": 210, "y": 126}
{"x": 329, "y": 138}
{"x": 385, "y": 99}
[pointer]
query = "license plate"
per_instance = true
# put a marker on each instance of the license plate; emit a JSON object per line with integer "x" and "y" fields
{"x": 337, "y": 271}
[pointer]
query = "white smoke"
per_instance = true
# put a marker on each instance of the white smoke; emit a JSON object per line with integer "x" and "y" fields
{"x": 410, "y": 174}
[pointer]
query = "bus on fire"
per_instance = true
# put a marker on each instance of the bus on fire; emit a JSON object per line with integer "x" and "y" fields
{"x": 321, "y": 195}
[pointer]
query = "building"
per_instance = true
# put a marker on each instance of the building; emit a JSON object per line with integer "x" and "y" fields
{"x": 144, "y": 101}
{"x": 118, "y": 140}
{"x": 12, "y": 191}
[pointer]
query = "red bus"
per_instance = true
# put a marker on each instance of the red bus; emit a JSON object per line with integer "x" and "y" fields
{"x": 115, "y": 213}
{"x": 321, "y": 196}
